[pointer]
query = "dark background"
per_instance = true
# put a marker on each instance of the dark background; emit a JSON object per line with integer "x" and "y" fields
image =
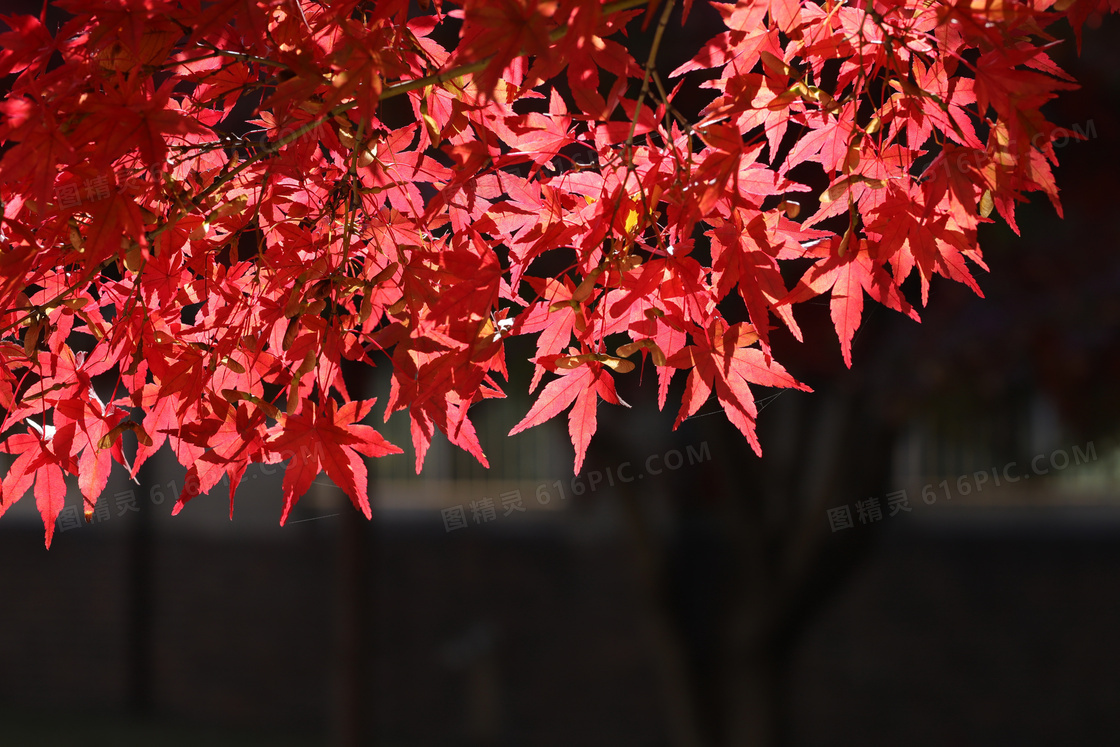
{"x": 708, "y": 604}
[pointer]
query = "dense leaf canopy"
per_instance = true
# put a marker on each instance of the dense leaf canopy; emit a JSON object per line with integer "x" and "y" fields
{"x": 213, "y": 205}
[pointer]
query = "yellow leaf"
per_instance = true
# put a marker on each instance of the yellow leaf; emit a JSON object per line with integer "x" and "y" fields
{"x": 631, "y": 220}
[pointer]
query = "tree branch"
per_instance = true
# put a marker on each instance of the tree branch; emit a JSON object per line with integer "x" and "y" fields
{"x": 473, "y": 67}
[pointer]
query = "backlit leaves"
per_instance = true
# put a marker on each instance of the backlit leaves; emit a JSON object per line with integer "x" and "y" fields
{"x": 223, "y": 273}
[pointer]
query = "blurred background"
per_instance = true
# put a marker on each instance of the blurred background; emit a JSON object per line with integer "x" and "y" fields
{"x": 928, "y": 553}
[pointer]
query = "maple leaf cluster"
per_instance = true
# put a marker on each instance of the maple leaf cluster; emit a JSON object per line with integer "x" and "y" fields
{"x": 209, "y": 207}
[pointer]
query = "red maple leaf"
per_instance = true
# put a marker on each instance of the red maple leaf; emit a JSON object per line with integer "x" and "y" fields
{"x": 40, "y": 460}
{"x": 848, "y": 278}
{"x": 583, "y": 385}
{"x": 329, "y": 438}
{"x": 720, "y": 358}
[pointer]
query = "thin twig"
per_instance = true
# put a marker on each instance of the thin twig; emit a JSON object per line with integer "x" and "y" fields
{"x": 473, "y": 67}
{"x": 650, "y": 62}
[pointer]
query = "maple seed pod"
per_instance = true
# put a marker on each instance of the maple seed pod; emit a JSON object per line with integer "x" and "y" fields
{"x": 308, "y": 364}
{"x": 366, "y": 309}
{"x": 365, "y": 158}
{"x": 783, "y": 100}
{"x": 133, "y": 257}
{"x": 316, "y": 307}
{"x": 268, "y": 408}
{"x": 295, "y": 299}
{"x": 776, "y": 65}
{"x": 109, "y": 438}
{"x": 844, "y": 241}
{"x": 290, "y": 332}
{"x": 618, "y": 365}
{"x": 31, "y": 340}
{"x": 792, "y": 208}
{"x": 580, "y": 321}
{"x": 625, "y": 351}
{"x": 588, "y": 284}
{"x": 384, "y": 274}
{"x": 293, "y": 397}
{"x": 572, "y": 361}
{"x": 853, "y": 157}
{"x": 906, "y": 87}
{"x": 397, "y": 308}
{"x": 986, "y": 203}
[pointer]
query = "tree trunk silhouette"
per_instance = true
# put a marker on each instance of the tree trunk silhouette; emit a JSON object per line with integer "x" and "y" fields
{"x": 750, "y": 560}
{"x": 140, "y": 677}
{"x": 350, "y": 717}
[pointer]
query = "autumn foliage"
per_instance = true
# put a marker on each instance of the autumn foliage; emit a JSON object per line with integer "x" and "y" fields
{"x": 209, "y": 206}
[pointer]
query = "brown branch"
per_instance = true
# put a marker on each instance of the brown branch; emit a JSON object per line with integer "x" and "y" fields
{"x": 650, "y": 62}
{"x": 473, "y": 67}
